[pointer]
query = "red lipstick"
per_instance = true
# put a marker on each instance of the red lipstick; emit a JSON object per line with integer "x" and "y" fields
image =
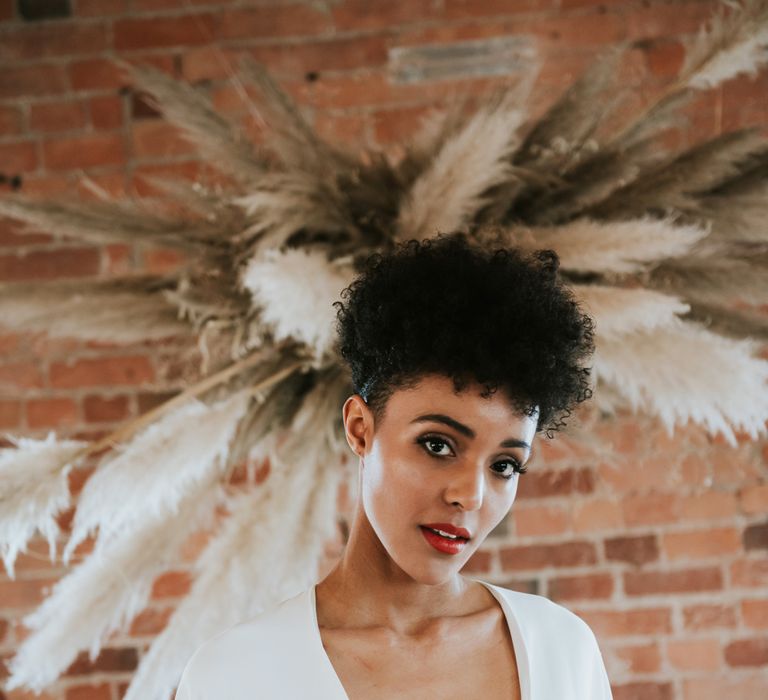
{"x": 452, "y": 541}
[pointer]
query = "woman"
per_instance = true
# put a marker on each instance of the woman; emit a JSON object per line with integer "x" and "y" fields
{"x": 458, "y": 358}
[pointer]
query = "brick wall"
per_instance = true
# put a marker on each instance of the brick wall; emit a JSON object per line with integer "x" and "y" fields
{"x": 661, "y": 547}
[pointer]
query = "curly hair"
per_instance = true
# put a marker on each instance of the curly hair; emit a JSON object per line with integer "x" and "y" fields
{"x": 447, "y": 306}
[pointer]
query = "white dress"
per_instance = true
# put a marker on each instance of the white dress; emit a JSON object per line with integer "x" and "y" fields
{"x": 280, "y": 654}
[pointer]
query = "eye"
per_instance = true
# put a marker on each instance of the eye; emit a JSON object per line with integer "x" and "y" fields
{"x": 434, "y": 445}
{"x": 510, "y": 467}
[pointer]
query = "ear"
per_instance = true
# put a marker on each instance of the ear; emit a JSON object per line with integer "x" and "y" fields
{"x": 358, "y": 424}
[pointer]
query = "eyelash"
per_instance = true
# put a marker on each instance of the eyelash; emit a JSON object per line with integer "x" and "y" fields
{"x": 517, "y": 467}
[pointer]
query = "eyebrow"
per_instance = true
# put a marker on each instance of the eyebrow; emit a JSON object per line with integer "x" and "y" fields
{"x": 464, "y": 429}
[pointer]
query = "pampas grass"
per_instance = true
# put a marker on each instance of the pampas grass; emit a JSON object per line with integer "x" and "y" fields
{"x": 686, "y": 372}
{"x": 296, "y": 290}
{"x": 450, "y": 191}
{"x": 619, "y": 312}
{"x": 624, "y": 247}
{"x": 153, "y": 473}
{"x": 112, "y": 310}
{"x": 105, "y": 592}
{"x": 33, "y": 490}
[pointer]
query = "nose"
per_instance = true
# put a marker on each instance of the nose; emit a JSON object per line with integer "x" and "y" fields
{"x": 466, "y": 487}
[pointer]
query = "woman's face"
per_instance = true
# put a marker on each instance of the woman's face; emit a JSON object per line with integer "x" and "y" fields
{"x": 437, "y": 458}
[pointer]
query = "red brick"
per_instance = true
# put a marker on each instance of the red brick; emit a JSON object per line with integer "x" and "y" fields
{"x": 546, "y": 555}
{"x": 103, "y": 74}
{"x": 12, "y": 235}
{"x": 561, "y": 482}
{"x": 747, "y": 652}
{"x": 273, "y": 22}
{"x": 21, "y": 375}
{"x": 754, "y": 499}
{"x": 88, "y": 151}
{"x": 52, "y": 412}
{"x": 756, "y": 536}
{"x": 150, "y": 621}
{"x": 701, "y": 543}
{"x": 393, "y": 125}
{"x": 49, "y": 264}
{"x": 27, "y": 81}
{"x": 106, "y": 112}
{"x": 532, "y": 520}
{"x": 693, "y": 654}
{"x": 102, "y": 371}
{"x": 102, "y": 8}
{"x": 57, "y": 116}
{"x": 7, "y": 10}
{"x": 109, "y": 659}
{"x": 639, "y": 658}
{"x": 172, "y": 584}
{"x": 664, "y": 57}
{"x": 651, "y": 509}
{"x": 637, "y": 550}
{"x": 574, "y": 587}
{"x": 755, "y": 613}
{"x": 597, "y": 514}
{"x": 53, "y": 39}
{"x": 99, "y": 691}
{"x": 643, "y": 690}
{"x": 471, "y": 9}
{"x": 681, "y": 581}
{"x": 716, "y": 686}
{"x": 157, "y": 139}
{"x": 479, "y": 562}
{"x": 624, "y": 623}
{"x": 25, "y": 594}
{"x": 162, "y": 260}
{"x": 154, "y": 32}
{"x": 10, "y": 413}
{"x": 341, "y": 128}
{"x": 99, "y": 409}
{"x": 18, "y": 157}
{"x": 10, "y": 120}
{"x": 708, "y": 616}
{"x": 665, "y": 19}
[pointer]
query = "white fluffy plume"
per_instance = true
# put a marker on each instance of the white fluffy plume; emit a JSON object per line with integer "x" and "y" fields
{"x": 152, "y": 474}
{"x": 105, "y": 592}
{"x": 296, "y": 290}
{"x": 33, "y": 490}
{"x": 244, "y": 569}
{"x": 685, "y": 372}
{"x": 450, "y": 191}
{"x": 618, "y": 311}
{"x": 586, "y": 245}
{"x": 731, "y": 45}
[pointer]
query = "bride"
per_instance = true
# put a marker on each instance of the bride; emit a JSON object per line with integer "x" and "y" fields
{"x": 458, "y": 357}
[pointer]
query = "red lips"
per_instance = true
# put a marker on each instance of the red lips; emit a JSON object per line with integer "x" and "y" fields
{"x": 450, "y": 529}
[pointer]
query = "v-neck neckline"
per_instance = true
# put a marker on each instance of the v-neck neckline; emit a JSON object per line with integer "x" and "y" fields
{"x": 521, "y": 653}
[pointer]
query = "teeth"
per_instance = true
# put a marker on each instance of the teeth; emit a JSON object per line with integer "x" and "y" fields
{"x": 444, "y": 534}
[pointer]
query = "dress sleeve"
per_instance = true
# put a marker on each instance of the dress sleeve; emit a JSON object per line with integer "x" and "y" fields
{"x": 184, "y": 689}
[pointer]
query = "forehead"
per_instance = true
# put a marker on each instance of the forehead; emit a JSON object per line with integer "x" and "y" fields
{"x": 436, "y": 394}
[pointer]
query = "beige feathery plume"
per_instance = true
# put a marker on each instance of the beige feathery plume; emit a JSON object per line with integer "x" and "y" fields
{"x": 152, "y": 474}
{"x": 221, "y": 142}
{"x": 618, "y": 312}
{"x": 732, "y": 44}
{"x": 738, "y": 216}
{"x": 586, "y": 245}
{"x": 284, "y": 203}
{"x": 670, "y": 183}
{"x": 684, "y": 372}
{"x": 106, "y": 591}
{"x": 99, "y": 222}
{"x": 297, "y": 145}
{"x": 474, "y": 159}
{"x": 244, "y": 570}
{"x": 715, "y": 279}
{"x": 126, "y": 310}
{"x": 33, "y": 490}
{"x": 296, "y": 290}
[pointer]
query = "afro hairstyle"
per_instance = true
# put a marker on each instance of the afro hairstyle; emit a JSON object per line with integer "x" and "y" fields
{"x": 447, "y": 306}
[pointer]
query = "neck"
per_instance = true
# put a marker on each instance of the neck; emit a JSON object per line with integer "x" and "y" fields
{"x": 366, "y": 588}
